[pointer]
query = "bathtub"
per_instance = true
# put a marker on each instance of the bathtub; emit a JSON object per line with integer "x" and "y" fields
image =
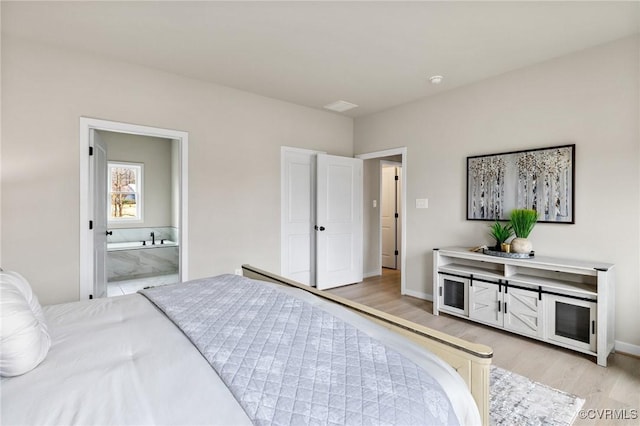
{"x": 132, "y": 260}
{"x": 133, "y": 245}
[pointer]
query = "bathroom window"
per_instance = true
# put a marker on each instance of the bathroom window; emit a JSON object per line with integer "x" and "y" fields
{"x": 125, "y": 191}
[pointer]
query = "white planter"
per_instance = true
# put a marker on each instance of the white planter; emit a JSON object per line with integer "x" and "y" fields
{"x": 521, "y": 245}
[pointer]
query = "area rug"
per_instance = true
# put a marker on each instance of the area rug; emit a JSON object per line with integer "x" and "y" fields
{"x": 517, "y": 400}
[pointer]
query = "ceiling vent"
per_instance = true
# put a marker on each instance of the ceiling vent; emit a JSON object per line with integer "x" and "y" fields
{"x": 340, "y": 106}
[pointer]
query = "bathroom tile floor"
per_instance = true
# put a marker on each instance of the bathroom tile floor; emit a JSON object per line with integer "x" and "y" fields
{"x": 119, "y": 288}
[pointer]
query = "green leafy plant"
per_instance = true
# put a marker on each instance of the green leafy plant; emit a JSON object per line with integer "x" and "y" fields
{"x": 522, "y": 221}
{"x": 500, "y": 233}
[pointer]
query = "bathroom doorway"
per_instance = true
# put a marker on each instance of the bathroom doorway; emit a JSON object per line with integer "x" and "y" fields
{"x": 143, "y": 197}
{"x": 142, "y": 240}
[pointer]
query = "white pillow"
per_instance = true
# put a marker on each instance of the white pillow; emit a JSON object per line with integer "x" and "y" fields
{"x": 24, "y": 338}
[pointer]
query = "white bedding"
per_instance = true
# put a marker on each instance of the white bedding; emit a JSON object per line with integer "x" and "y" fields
{"x": 120, "y": 361}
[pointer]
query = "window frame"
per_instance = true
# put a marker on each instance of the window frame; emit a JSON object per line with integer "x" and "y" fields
{"x": 139, "y": 192}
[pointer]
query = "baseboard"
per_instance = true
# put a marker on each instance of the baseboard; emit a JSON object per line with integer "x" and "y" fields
{"x": 371, "y": 274}
{"x": 627, "y": 348}
{"x": 418, "y": 294}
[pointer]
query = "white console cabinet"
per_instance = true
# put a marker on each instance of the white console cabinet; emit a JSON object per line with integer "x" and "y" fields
{"x": 569, "y": 303}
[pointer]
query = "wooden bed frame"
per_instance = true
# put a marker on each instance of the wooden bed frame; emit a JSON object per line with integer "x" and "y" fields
{"x": 470, "y": 360}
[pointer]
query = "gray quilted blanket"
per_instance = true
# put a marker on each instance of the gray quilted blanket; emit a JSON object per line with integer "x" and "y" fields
{"x": 288, "y": 362}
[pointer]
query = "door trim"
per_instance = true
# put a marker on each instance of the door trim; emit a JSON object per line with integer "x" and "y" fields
{"x": 403, "y": 202}
{"x": 86, "y": 200}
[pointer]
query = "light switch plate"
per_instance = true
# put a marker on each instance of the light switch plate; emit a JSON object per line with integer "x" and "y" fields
{"x": 422, "y": 203}
{"x": 375, "y": 203}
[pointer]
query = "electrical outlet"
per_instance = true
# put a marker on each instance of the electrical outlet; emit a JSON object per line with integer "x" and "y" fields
{"x": 238, "y": 272}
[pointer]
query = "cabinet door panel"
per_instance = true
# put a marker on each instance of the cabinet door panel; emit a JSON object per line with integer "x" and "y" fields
{"x": 523, "y": 312}
{"x": 484, "y": 303}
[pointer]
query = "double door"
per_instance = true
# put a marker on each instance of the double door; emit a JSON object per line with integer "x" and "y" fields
{"x": 501, "y": 305}
{"x": 322, "y": 234}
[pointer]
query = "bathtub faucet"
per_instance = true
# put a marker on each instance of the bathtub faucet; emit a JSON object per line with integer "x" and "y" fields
{"x": 153, "y": 238}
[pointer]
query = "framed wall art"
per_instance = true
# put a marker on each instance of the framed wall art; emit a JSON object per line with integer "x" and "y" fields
{"x": 541, "y": 179}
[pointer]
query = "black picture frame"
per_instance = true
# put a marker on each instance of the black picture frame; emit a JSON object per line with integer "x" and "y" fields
{"x": 542, "y": 179}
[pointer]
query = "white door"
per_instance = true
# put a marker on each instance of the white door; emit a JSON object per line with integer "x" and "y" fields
{"x": 298, "y": 214}
{"x": 390, "y": 215}
{"x": 338, "y": 225}
{"x": 98, "y": 165}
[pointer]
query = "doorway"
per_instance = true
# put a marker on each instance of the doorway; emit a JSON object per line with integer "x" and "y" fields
{"x": 390, "y": 205}
{"x": 95, "y": 228}
{"x": 142, "y": 197}
{"x": 374, "y": 204}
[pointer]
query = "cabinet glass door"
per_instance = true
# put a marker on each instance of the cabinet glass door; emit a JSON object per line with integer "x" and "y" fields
{"x": 572, "y": 322}
{"x": 454, "y": 294}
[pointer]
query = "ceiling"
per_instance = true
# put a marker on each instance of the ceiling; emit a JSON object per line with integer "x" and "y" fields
{"x": 373, "y": 54}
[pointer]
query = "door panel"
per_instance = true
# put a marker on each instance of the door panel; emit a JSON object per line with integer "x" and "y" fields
{"x": 299, "y": 257}
{"x": 338, "y": 221}
{"x": 484, "y": 299}
{"x": 399, "y": 224}
{"x": 98, "y": 165}
{"x": 523, "y": 313}
{"x": 298, "y": 215}
{"x": 388, "y": 220}
{"x": 339, "y": 248}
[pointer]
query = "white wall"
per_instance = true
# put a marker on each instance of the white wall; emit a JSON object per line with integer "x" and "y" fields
{"x": 155, "y": 154}
{"x": 589, "y": 98}
{"x": 234, "y": 159}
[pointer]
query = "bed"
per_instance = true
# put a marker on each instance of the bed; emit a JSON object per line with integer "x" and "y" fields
{"x": 123, "y": 360}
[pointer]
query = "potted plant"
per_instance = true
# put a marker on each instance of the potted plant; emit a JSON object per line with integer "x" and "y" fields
{"x": 501, "y": 233}
{"x": 522, "y": 221}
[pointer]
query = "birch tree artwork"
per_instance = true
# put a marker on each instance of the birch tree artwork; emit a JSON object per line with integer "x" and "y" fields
{"x": 486, "y": 176}
{"x": 540, "y": 179}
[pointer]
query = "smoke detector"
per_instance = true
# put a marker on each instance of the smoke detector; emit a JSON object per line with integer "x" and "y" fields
{"x": 436, "y": 79}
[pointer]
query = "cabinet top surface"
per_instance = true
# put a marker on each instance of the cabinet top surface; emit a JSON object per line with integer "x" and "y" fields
{"x": 537, "y": 260}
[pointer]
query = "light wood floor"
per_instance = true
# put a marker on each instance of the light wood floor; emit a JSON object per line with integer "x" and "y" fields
{"x": 614, "y": 387}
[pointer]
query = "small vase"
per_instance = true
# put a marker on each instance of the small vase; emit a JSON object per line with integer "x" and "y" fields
{"x": 521, "y": 245}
